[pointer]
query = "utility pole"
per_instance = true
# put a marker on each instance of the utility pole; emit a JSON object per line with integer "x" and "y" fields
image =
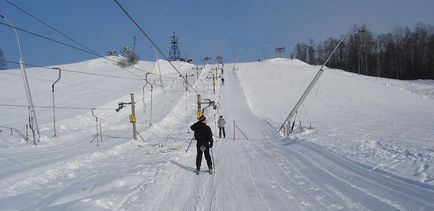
{"x": 234, "y": 129}
{"x": 134, "y": 45}
{"x": 97, "y": 136}
{"x": 132, "y": 117}
{"x": 197, "y": 68}
{"x": 213, "y": 83}
{"x": 206, "y": 60}
{"x": 157, "y": 60}
{"x": 152, "y": 89}
{"x": 216, "y": 71}
{"x": 32, "y": 113}
{"x": 199, "y": 111}
{"x": 207, "y": 102}
{"x": 143, "y": 98}
{"x": 52, "y": 91}
{"x": 236, "y": 60}
{"x": 219, "y": 60}
{"x": 313, "y": 82}
{"x": 186, "y": 82}
{"x": 214, "y": 78}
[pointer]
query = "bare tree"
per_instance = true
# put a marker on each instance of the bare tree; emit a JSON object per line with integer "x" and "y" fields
{"x": 280, "y": 50}
{"x": 401, "y": 54}
{"x": 2, "y": 61}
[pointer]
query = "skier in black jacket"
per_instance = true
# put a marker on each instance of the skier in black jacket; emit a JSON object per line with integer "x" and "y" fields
{"x": 203, "y": 135}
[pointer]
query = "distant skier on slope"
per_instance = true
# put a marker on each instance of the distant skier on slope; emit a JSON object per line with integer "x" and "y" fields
{"x": 203, "y": 135}
{"x": 221, "y": 124}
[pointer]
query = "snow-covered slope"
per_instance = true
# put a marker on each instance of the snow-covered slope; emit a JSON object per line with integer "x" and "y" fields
{"x": 370, "y": 146}
{"x": 384, "y": 123}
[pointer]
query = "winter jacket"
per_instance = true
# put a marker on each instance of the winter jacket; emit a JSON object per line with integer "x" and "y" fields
{"x": 221, "y": 122}
{"x": 203, "y": 134}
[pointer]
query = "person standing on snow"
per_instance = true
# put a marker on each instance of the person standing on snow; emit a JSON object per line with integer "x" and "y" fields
{"x": 203, "y": 135}
{"x": 221, "y": 124}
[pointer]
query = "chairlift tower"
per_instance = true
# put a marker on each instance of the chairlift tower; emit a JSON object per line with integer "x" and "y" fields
{"x": 174, "y": 50}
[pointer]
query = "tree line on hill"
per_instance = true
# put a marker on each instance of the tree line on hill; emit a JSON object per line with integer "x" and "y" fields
{"x": 403, "y": 53}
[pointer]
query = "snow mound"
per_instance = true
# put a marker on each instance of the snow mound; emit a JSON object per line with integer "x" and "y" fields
{"x": 292, "y": 62}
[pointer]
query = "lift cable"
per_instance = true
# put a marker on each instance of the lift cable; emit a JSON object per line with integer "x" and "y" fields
{"x": 80, "y": 72}
{"x": 65, "y": 35}
{"x": 79, "y": 49}
{"x": 152, "y": 42}
{"x": 57, "y": 107}
{"x": 74, "y": 71}
{"x": 49, "y": 26}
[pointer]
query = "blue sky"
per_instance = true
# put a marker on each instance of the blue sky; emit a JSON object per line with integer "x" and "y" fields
{"x": 205, "y": 27}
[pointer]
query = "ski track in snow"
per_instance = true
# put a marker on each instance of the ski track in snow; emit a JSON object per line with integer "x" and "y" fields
{"x": 265, "y": 173}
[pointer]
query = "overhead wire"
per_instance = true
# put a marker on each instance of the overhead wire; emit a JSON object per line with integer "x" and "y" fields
{"x": 53, "y": 40}
{"x": 52, "y": 28}
{"x": 86, "y": 73}
{"x": 78, "y": 72}
{"x": 61, "y": 33}
{"x": 74, "y": 47}
{"x": 74, "y": 71}
{"x": 47, "y": 38}
{"x": 153, "y": 43}
{"x": 68, "y": 37}
{"x": 57, "y": 107}
{"x": 63, "y": 83}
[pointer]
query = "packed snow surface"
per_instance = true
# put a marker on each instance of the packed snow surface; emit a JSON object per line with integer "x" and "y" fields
{"x": 359, "y": 143}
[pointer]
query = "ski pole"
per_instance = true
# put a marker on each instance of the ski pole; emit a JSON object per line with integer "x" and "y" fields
{"x": 212, "y": 157}
{"x": 189, "y": 144}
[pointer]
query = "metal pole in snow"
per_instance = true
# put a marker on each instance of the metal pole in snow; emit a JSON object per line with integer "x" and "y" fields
{"x": 198, "y": 105}
{"x": 234, "y": 129}
{"x": 54, "y": 106}
{"x": 213, "y": 162}
{"x": 133, "y": 117}
{"x": 100, "y": 131}
{"x": 97, "y": 130}
{"x": 213, "y": 83}
{"x": 152, "y": 89}
{"x": 312, "y": 83}
{"x": 186, "y": 79}
{"x": 150, "y": 113}
{"x": 143, "y": 99}
{"x": 32, "y": 113}
{"x": 186, "y": 108}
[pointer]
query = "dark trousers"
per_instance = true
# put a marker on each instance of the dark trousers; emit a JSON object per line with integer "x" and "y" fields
{"x": 220, "y": 132}
{"x": 199, "y": 157}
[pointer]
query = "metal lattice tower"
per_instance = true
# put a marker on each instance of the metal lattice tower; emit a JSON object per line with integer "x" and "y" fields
{"x": 174, "y": 50}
